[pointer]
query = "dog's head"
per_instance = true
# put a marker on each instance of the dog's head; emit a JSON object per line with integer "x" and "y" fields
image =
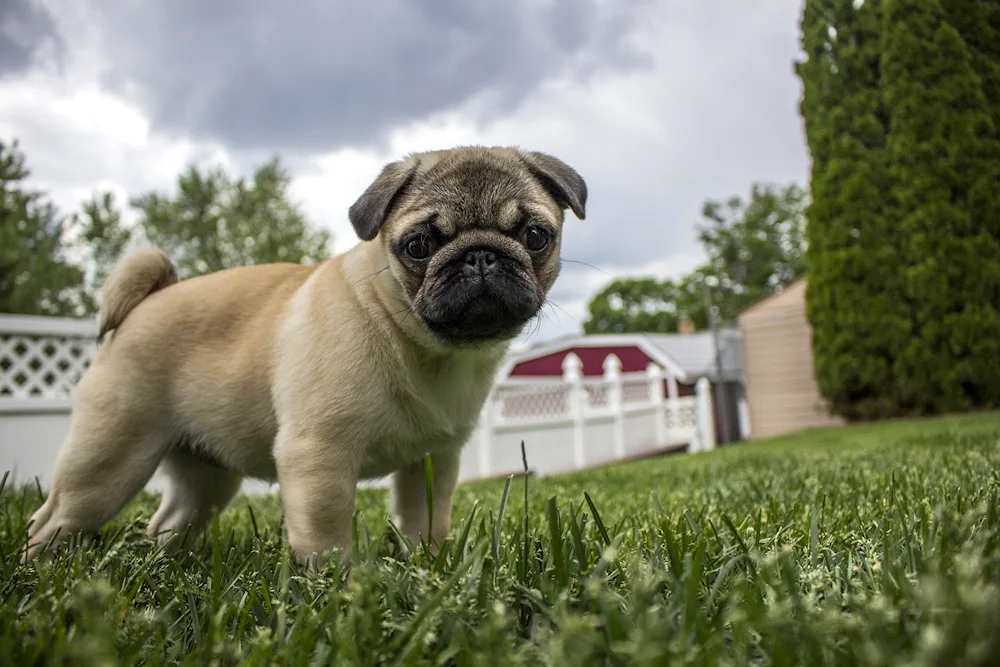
{"x": 472, "y": 235}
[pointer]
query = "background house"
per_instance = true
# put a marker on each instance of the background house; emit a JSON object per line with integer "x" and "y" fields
{"x": 782, "y": 393}
{"x": 685, "y": 357}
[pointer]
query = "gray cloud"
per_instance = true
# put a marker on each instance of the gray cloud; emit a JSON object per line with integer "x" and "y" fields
{"x": 26, "y": 33}
{"x": 312, "y": 75}
{"x": 735, "y": 122}
{"x": 717, "y": 109}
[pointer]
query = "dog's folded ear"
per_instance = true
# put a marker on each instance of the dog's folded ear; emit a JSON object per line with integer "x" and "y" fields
{"x": 565, "y": 185}
{"x": 369, "y": 212}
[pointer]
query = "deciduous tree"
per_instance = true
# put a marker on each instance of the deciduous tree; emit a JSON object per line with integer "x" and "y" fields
{"x": 754, "y": 247}
{"x": 216, "y": 222}
{"x": 102, "y": 238}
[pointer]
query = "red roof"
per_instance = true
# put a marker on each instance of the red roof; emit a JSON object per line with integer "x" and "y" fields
{"x": 634, "y": 360}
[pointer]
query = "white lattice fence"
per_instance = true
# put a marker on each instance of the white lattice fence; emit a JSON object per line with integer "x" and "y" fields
{"x": 682, "y": 414}
{"x": 43, "y": 357}
{"x": 539, "y": 401}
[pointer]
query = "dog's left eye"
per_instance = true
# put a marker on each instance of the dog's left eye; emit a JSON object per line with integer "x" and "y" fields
{"x": 418, "y": 247}
{"x": 536, "y": 238}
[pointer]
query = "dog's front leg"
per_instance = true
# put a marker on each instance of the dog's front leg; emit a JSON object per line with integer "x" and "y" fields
{"x": 410, "y": 497}
{"x": 318, "y": 483}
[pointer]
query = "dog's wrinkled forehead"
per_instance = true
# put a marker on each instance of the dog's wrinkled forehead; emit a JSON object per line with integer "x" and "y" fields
{"x": 472, "y": 186}
{"x": 475, "y": 194}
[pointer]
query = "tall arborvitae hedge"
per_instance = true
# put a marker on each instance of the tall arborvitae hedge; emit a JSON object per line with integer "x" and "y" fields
{"x": 978, "y": 23}
{"x": 946, "y": 180}
{"x": 855, "y": 291}
{"x": 904, "y": 262}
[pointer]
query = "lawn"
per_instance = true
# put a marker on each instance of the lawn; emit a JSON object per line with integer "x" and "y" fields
{"x": 866, "y": 545}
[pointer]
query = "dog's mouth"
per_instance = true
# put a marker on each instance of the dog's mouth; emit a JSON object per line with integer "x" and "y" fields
{"x": 467, "y": 303}
{"x": 483, "y": 320}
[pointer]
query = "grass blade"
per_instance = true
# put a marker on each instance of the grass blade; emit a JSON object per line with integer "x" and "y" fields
{"x": 498, "y": 526}
{"x": 597, "y": 519}
{"x": 429, "y": 492}
{"x": 556, "y": 540}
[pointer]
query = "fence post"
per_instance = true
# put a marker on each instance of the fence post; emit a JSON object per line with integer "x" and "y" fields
{"x": 655, "y": 376}
{"x": 706, "y": 425}
{"x": 673, "y": 405}
{"x": 575, "y": 396}
{"x": 745, "y": 428}
{"x": 613, "y": 382}
{"x": 486, "y": 422}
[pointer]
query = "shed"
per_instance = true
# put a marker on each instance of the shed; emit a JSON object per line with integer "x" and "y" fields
{"x": 782, "y": 393}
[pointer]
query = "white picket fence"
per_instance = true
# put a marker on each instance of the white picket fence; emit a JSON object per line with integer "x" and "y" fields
{"x": 566, "y": 423}
{"x": 574, "y": 422}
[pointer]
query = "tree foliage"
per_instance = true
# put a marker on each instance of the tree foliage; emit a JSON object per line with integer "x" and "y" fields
{"x": 216, "y": 222}
{"x": 52, "y": 265}
{"x": 644, "y": 305}
{"x": 904, "y": 264}
{"x": 856, "y": 295}
{"x": 36, "y": 276}
{"x": 755, "y": 247}
{"x": 102, "y": 238}
{"x": 946, "y": 171}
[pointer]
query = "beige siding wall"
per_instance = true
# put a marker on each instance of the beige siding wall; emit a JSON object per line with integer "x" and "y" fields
{"x": 777, "y": 354}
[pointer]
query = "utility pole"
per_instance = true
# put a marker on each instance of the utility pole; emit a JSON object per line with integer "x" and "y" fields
{"x": 721, "y": 403}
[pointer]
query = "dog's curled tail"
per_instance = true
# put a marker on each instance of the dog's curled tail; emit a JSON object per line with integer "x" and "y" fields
{"x": 132, "y": 280}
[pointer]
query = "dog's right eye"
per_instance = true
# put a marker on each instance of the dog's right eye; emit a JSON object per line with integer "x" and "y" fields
{"x": 419, "y": 247}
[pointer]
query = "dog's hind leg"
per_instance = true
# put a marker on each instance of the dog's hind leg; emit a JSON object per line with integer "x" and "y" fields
{"x": 111, "y": 451}
{"x": 196, "y": 490}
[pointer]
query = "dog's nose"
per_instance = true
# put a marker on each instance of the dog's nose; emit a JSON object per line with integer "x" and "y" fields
{"x": 480, "y": 259}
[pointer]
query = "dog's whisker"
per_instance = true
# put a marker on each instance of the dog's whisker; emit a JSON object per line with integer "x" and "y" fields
{"x": 372, "y": 276}
{"x": 541, "y": 314}
{"x": 549, "y": 302}
{"x": 591, "y": 266}
{"x": 537, "y": 326}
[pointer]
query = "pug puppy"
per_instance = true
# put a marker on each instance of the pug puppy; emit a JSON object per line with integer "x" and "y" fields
{"x": 318, "y": 376}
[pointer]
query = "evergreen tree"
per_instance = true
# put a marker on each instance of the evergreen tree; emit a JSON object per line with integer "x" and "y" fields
{"x": 855, "y": 298}
{"x": 36, "y": 278}
{"x": 946, "y": 171}
{"x": 900, "y": 107}
{"x": 978, "y": 23}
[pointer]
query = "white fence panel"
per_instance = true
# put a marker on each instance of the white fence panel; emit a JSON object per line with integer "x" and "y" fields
{"x": 566, "y": 423}
{"x": 576, "y": 422}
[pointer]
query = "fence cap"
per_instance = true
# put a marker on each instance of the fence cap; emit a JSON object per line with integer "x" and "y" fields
{"x": 612, "y": 365}
{"x": 43, "y": 325}
{"x": 572, "y": 365}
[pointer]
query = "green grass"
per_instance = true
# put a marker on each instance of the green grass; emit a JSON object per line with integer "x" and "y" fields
{"x": 867, "y": 545}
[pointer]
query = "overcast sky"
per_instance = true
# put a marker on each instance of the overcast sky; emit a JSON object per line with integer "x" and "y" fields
{"x": 658, "y": 105}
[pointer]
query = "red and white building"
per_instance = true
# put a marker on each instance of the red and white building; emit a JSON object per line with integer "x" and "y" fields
{"x": 683, "y": 358}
